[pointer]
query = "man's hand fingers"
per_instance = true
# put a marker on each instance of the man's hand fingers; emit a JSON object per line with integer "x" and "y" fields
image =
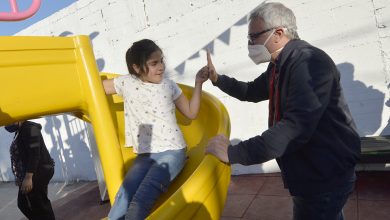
{"x": 217, "y": 146}
{"x": 222, "y": 138}
{"x": 217, "y": 141}
{"x": 209, "y": 62}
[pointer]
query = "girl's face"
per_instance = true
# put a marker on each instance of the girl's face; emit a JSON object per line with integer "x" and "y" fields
{"x": 156, "y": 68}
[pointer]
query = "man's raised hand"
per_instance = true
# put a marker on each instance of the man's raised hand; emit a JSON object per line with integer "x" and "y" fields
{"x": 213, "y": 76}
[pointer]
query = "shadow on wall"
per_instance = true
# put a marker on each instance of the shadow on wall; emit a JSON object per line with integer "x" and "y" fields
{"x": 5, "y": 162}
{"x": 386, "y": 130}
{"x": 71, "y": 154}
{"x": 100, "y": 61}
{"x": 5, "y": 142}
{"x": 365, "y": 102}
{"x": 73, "y": 162}
{"x": 223, "y": 37}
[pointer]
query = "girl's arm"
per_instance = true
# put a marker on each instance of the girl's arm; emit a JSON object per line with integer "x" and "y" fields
{"x": 108, "y": 85}
{"x": 190, "y": 108}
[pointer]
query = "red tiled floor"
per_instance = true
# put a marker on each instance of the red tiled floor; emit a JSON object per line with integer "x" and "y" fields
{"x": 369, "y": 201}
{"x": 270, "y": 208}
{"x": 258, "y": 196}
{"x": 81, "y": 205}
{"x": 373, "y": 210}
{"x": 237, "y": 205}
{"x": 351, "y": 210}
{"x": 373, "y": 193}
{"x": 272, "y": 201}
{"x": 246, "y": 184}
{"x": 370, "y": 188}
{"x": 273, "y": 186}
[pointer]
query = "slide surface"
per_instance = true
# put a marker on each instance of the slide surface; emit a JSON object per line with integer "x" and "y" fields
{"x": 51, "y": 75}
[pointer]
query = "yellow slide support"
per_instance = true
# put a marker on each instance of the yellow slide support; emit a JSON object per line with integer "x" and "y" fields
{"x": 50, "y": 75}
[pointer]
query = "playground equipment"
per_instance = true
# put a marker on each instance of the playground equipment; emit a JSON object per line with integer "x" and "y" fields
{"x": 51, "y": 75}
{"x": 16, "y": 15}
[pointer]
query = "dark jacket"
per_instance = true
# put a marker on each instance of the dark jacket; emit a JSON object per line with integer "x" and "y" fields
{"x": 316, "y": 143}
{"x": 34, "y": 154}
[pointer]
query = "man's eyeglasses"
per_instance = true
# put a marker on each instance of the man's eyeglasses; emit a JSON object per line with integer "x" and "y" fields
{"x": 253, "y": 36}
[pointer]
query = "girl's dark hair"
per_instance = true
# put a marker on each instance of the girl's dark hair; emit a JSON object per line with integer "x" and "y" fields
{"x": 139, "y": 53}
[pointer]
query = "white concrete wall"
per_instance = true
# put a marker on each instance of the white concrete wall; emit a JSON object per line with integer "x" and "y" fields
{"x": 355, "y": 33}
{"x": 68, "y": 144}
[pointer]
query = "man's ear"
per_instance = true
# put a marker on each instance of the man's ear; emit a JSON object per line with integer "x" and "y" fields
{"x": 279, "y": 34}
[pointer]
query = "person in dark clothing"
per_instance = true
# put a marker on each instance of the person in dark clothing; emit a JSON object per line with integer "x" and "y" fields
{"x": 33, "y": 168}
{"x": 311, "y": 132}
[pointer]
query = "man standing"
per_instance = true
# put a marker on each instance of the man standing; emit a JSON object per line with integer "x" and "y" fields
{"x": 33, "y": 168}
{"x": 311, "y": 132}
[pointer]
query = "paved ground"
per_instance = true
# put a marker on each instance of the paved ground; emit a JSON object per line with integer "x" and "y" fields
{"x": 262, "y": 197}
{"x": 258, "y": 197}
{"x": 58, "y": 193}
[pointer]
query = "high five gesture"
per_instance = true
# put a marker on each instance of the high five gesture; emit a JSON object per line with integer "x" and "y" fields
{"x": 213, "y": 76}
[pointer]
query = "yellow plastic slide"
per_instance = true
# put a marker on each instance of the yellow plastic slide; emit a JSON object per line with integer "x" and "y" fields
{"x": 50, "y": 75}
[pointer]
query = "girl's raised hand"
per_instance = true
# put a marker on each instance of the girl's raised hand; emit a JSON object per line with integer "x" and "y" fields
{"x": 202, "y": 75}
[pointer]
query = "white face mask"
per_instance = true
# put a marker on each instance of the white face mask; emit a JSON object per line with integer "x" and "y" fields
{"x": 259, "y": 53}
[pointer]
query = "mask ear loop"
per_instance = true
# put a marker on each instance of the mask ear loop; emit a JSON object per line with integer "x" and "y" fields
{"x": 269, "y": 37}
{"x": 278, "y": 50}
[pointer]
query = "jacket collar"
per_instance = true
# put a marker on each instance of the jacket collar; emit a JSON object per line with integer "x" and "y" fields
{"x": 288, "y": 50}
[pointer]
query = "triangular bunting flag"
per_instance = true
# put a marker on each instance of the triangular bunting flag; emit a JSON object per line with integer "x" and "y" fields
{"x": 210, "y": 46}
{"x": 195, "y": 55}
{"x": 65, "y": 33}
{"x": 240, "y": 22}
{"x": 225, "y": 37}
{"x": 93, "y": 35}
{"x": 180, "y": 68}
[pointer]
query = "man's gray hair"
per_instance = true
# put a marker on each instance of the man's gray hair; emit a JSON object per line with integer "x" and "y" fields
{"x": 275, "y": 14}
